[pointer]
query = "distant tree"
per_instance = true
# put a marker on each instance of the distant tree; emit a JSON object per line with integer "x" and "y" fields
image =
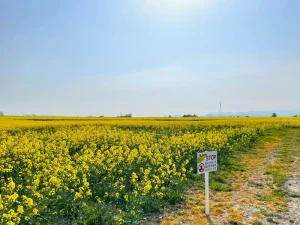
{"x": 274, "y": 115}
{"x": 247, "y": 116}
{"x": 1, "y": 113}
{"x": 189, "y": 115}
{"x": 101, "y": 116}
{"x": 30, "y": 114}
{"x": 126, "y": 115}
{"x": 170, "y": 116}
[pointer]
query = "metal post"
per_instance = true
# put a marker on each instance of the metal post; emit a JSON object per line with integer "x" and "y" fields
{"x": 207, "y": 193}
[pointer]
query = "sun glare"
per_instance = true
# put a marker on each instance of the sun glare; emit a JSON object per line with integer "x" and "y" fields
{"x": 172, "y": 8}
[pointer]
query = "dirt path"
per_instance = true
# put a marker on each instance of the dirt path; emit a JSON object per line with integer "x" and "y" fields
{"x": 273, "y": 189}
{"x": 267, "y": 192}
{"x": 292, "y": 185}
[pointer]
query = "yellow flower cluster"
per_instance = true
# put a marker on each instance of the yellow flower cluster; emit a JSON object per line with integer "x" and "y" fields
{"x": 54, "y": 169}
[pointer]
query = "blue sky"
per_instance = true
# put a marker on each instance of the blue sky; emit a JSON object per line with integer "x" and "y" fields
{"x": 150, "y": 58}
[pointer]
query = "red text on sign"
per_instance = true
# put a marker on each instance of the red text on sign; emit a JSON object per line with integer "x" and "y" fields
{"x": 211, "y": 157}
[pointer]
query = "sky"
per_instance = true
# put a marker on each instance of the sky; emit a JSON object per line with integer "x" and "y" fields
{"x": 148, "y": 57}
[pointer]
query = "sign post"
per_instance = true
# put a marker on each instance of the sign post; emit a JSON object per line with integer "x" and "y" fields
{"x": 207, "y": 193}
{"x": 207, "y": 162}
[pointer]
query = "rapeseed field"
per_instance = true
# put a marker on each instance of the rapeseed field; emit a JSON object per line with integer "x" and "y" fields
{"x": 75, "y": 170}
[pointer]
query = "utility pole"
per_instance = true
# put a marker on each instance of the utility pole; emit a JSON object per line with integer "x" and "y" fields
{"x": 220, "y": 110}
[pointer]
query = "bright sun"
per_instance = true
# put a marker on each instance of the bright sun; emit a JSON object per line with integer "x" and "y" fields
{"x": 172, "y": 8}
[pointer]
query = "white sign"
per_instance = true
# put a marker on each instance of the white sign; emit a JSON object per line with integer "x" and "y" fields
{"x": 207, "y": 162}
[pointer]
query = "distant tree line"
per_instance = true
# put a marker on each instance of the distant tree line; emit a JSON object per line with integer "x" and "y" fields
{"x": 126, "y": 115}
{"x": 189, "y": 115}
{"x": 1, "y": 113}
{"x": 30, "y": 114}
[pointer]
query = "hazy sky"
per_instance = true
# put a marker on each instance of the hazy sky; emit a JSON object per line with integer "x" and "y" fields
{"x": 148, "y": 57}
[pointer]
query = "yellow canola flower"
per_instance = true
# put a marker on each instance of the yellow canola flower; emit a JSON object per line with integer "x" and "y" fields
{"x": 52, "y": 161}
{"x": 35, "y": 211}
{"x": 11, "y": 185}
{"x": 77, "y": 196}
{"x": 12, "y": 198}
{"x": 20, "y": 209}
{"x": 10, "y": 223}
{"x": 27, "y": 201}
